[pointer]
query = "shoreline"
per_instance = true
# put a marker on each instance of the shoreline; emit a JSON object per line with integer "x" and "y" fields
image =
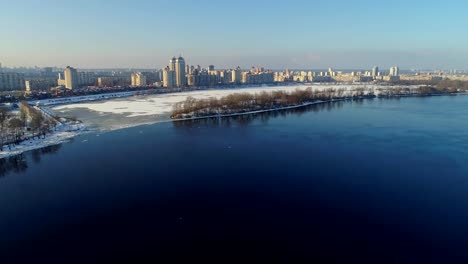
{"x": 60, "y": 137}
{"x": 153, "y": 91}
{"x": 312, "y": 103}
{"x": 261, "y": 111}
{"x": 52, "y": 139}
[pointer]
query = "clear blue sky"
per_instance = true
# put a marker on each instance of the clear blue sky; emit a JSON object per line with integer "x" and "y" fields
{"x": 274, "y": 34}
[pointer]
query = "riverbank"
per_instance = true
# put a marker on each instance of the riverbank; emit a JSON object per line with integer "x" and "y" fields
{"x": 305, "y": 105}
{"x": 244, "y": 103}
{"x": 258, "y": 111}
{"x": 155, "y": 112}
{"x": 62, "y": 134}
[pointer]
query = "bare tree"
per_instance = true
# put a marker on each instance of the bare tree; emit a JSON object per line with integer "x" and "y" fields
{"x": 3, "y": 116}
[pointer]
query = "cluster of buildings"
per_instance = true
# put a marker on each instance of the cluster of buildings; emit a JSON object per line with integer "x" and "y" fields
{"x": 337, "y": 76}
{"x": 72, "y": 79}
{"x": 178, "y": 74}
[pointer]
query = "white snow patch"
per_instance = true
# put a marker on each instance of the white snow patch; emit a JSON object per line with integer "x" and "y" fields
{"x": 28, "y": 145}
{"x": 163, "y": 103}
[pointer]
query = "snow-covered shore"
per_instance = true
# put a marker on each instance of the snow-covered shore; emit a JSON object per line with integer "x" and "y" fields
{"x": 161, "y": 104}
{"x": 259, "y": 111}
{"x": 53, "y": 138}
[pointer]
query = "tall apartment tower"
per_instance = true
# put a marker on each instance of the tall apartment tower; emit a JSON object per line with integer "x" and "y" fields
{"x": 375, "y": 71}
{"x": 71, "y": 78}
{"x": 172, "y": 64}
{"x": 180, "y": 72}
{"x": 394, "y": 71}
{"x": 138, "y": 79}
{"x": 236, "y": 75}
{"x": 169, "y": 78}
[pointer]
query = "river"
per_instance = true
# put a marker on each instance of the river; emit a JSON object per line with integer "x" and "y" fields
{"x": 381, "y": 180}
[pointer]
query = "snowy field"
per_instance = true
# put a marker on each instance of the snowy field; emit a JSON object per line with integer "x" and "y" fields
{"x": 160, "y": 106}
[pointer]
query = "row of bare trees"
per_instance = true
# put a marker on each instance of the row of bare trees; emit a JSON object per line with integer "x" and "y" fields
{"x": 29, "y": 123}
{"x": 245, "y": 102}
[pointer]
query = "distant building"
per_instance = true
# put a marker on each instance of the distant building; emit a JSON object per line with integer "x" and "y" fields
{"x": 86, "y": 79}
{"x": 375, "y": 71}
{"x": 40, "y": 84}
{"x": 394, "y": 71}
{"x": 257, "y": 78}
{"x": 48, "y": 72}
{"x": 321, "y": 78}
{"x": 391, "y": 78}
{"x": 191, "y": 80}
{"x": 138, "y": 79}
{"x": 180, "y": 72}
{"x": 169, "y": 78}
{"x": 153, "y": 77}
{"x": 365, "y": 78}
{"x": 172, "y": 64}
{"x": 10, "y": 81}
{"x": 236, "y": 75}
{"x": 224, "y": 77}
{"x": 71, "y": 78}
{"x": 113, "y": 81}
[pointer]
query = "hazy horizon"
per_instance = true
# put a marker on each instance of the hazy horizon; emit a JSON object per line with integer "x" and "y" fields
{"x": 293, "y": 34}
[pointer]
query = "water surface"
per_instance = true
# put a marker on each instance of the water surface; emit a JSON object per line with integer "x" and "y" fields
{"x": 373, "y": 180}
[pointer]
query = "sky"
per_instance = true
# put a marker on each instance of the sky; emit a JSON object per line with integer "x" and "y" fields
{"x": 293, "y": 34}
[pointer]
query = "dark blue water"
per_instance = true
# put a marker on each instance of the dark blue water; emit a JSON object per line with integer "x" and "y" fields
{"x": 370, "y": 181}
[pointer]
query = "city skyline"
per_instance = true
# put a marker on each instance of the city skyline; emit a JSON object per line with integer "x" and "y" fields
{"x": 293, "y": 34}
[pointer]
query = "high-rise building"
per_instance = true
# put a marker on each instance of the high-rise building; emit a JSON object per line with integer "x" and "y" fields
{"x": 138, "y": 79}
{"x": 375, "y": 71}
{"x": 169, "y": 78}
{"x": 236, "y": 75}
{"x": 191, "y": 80}
{"x": 394, "y": 71}
{"x": 71, "y": 78}
{"x": 172, "y": 64}
{"x": 180, "y": 72}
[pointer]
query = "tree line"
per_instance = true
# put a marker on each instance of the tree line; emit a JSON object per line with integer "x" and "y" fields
{"x": 246, "y": 102}
{"x": 28, "y": 124}
{"x": 445, "y": 85}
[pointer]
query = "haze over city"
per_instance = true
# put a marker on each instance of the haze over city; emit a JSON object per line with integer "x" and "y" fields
{"x": 286, "y": 34}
